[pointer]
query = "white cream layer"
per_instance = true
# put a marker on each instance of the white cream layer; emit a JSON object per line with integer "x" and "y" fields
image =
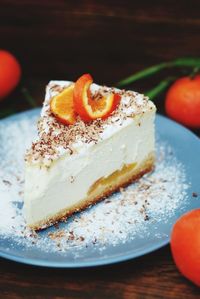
{"x": 68, "y": 179}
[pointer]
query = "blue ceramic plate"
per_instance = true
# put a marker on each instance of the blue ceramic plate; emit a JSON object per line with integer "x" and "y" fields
{"x": 186, "y": 149}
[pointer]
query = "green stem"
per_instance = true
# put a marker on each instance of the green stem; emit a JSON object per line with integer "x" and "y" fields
{"x": 6, "y": 112}
{"x": 180, "y": 62}
{"x": 194, "y": 72}
{"x": 154, "y": 92}
{"x": 28, "y": 97}
{"x": 186, "y": 62}
{"x": 142, "y": 74}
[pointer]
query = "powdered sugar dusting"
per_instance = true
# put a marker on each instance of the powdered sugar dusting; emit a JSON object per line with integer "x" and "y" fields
{"x": 118, "y": 219}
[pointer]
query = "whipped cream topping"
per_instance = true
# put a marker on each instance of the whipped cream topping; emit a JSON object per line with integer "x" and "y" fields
{"x": 56, "y": 139}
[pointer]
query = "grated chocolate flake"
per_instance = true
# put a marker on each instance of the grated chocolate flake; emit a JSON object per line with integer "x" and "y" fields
{"x": 56, "y": 138}
{"x": 194, "y": 194}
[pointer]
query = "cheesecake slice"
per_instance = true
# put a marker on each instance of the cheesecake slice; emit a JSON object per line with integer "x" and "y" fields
{"x": 70, "y": 167}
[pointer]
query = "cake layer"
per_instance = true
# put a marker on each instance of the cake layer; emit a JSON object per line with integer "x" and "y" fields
{"x": 72, "y": 181}
{"x": 100, "y": 189}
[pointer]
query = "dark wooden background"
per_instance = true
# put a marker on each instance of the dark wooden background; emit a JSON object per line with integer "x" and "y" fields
{"x": 109, "y": 39}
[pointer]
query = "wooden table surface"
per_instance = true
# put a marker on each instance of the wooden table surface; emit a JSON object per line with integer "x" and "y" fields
{"x": 110, "y": 39}
{"x": 152, "y": 276}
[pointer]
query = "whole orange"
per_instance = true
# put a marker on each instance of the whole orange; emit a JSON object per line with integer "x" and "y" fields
{"x": 185, "y": 245}
{"x": 183, "y": 101}
{"x": 10, "y": 73}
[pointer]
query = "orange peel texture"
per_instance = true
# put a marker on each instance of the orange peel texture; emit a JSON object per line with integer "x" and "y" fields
{"x": 90, "y": 108}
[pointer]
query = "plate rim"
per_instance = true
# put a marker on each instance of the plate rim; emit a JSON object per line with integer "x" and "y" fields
{"x": 101, "y": 262}
{"x": 98, "y": 262}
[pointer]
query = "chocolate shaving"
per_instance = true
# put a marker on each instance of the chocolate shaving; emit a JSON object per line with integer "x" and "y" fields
{"x": 54, "y": 137}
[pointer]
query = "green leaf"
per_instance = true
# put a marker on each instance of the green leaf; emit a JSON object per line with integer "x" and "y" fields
{"x": 142, "y": 74}
{"x": 188, "y": 62}
{"x": 28, "y": 97}
{"x": 154, "y": 92}
{"x": 6, "y": 112}
{"x": 180, "y": 62}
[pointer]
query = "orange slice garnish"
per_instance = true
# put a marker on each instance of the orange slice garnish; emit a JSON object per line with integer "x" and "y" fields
{"x": 62, "y": 106}
{"x": 89, "y": 108}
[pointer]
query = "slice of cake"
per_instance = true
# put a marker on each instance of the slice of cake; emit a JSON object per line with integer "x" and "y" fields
{"x": 81, "y": 156}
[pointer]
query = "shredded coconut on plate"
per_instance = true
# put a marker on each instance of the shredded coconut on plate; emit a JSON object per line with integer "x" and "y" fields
{"x": 116, "y": 220}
